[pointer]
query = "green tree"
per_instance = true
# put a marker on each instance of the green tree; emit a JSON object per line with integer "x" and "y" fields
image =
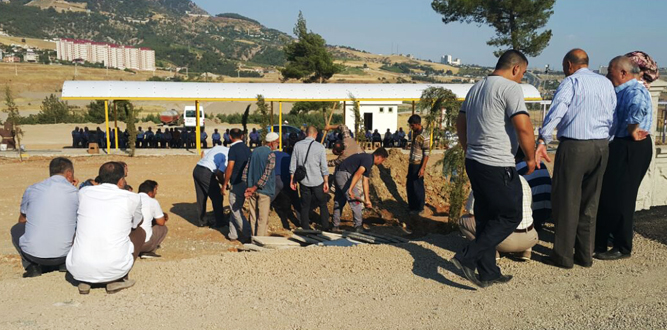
{"x": 264, "y": 116}
{"x": 440, "y": 108}
{"x": 13, "y": 118}
{"x": 307, "y": 57}
{"x": 358, "y": 121}
{"x": 53, "y": 111}
{"x": 516, "y": 21}
{"x": 130, "y": 119}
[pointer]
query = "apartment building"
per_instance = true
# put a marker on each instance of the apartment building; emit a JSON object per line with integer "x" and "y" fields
{"x": 112, "y": 55}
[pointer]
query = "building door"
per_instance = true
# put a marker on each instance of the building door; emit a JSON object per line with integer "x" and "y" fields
{"x": 368, "y": 121}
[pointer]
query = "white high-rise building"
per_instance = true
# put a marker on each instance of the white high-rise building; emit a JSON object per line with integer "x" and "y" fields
{"x": 449, "y": 60}
{"x": 113, "y": 56}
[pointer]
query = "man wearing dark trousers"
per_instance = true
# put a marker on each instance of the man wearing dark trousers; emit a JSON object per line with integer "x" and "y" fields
{"x": 630, "y": 155}
{"x": 208, "y": 175}
{"x": 492, "y": 118}
{"x": 419, "y": 153}
{"x": 316, "y": 183}
{"x": 582, "y": 111}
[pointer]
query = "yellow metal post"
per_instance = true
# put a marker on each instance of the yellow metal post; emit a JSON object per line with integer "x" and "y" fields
{"x": 271, "y": 121}
{"x": 106, "y": 120}
{"x": 197, "y": 129}
{"x": 115, "y": 118}
{"x": 280, "y": 125}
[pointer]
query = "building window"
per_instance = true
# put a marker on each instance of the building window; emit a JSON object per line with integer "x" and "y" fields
{"x": 390, "y": 109}
{"x": 381, "y": 109}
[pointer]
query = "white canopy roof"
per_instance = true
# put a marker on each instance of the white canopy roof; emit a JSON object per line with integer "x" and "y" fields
{"x": 185, "y": 91}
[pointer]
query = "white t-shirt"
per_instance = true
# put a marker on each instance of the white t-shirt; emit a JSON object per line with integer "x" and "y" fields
{"x": 527, "y": 217}
{"x": 215, "y": 159}
{"x": 151, "y": 210}
{"x": 102, "y": 250}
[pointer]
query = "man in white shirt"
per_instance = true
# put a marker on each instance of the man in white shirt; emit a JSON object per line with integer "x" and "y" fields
{"x": 154, "y": 223}
{"x": 108, "y": 237}
{"x": 44, "y": 233}
{"x": 520, "y": 243}
{"x": 208, "y": 175}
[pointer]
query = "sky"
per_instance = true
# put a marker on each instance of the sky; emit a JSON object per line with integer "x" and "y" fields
{"x": 604, "y": 28}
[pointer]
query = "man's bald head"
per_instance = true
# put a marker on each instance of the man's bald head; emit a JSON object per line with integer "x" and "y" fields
{"x": 312, "y": 131}
{"x": 575, "y": 60}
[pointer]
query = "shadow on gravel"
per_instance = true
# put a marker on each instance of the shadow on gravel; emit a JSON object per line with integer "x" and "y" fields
{"x": 427, "y": 262}
{"x": 652, "y": 224}
{"x": 187, "y": 211}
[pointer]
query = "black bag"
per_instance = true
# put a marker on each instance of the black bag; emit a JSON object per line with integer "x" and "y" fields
{"x": 300, "y": 172}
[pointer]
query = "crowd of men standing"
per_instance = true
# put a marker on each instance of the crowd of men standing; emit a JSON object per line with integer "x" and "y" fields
{"x": 603, "y": 126}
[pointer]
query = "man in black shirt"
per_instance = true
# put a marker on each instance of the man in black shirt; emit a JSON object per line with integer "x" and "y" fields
{"x": 239, "y": 155}
{"x": 346, "y": 178}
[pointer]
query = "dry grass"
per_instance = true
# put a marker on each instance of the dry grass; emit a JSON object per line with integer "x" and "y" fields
{"x": 59, "y": 5}
{"x": 29, "y": 42}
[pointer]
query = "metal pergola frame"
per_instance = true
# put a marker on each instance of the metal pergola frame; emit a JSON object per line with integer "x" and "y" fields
{"x": 244, "y": 92}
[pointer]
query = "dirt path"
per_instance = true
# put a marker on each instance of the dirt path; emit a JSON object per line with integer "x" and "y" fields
{"x": 199, "y": 284}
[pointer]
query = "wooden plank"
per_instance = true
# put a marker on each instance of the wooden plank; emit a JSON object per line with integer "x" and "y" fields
{"x": 331, "y": 236}
{"x": 364, "y": 237}
{"x": 393, "y": 238}
{"x": 304, "y": 239}
{"x": 272, "y": 241}
{"x": 300, "y": 231}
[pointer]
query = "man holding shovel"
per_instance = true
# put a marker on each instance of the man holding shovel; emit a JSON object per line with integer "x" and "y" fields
{"x": 349, "y": 173}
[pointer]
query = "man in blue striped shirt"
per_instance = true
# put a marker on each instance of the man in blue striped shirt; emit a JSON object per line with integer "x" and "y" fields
{"x": 583, "y": 113}
{"x": 629, "y": 158}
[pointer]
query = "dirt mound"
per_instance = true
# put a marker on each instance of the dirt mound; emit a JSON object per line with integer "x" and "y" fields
{"x": 389, "y": 194}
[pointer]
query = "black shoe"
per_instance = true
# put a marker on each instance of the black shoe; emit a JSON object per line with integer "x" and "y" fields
{"x": 33, "y": 271}
{"x": 62, "y": 268}
{"x": 467, "y": 272}
{"x": 360, "y": 229}
{"x": 613, "y": 254}
{"x": 549, "y": 261}
{"x": 582, "y": 263}
{"x": 500, "y": 280}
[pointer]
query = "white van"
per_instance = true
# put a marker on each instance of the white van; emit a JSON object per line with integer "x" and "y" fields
{"x": 190, "y": 116}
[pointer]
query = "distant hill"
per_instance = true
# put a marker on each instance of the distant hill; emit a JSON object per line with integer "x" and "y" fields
{"x": 184, "y": 35}
{"x": 181, "y": 33}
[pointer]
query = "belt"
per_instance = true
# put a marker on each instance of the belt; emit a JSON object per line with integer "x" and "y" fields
{"x": 525, "y": 230}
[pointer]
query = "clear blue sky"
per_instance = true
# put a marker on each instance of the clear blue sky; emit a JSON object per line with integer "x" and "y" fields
{"x": 603, "y": 28}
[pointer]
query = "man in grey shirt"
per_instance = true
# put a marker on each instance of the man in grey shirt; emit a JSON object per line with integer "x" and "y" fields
{"x": 492, "y": 116}
{"x": 45, "y": 231}
{"x": 316, "y": 183}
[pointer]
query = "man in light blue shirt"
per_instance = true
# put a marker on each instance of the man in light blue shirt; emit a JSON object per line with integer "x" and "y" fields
{"x": 45, "y": 231}
{"x": 316, "y": 183}
{"x": 583, "y": 113}
{"x": 630, "y": 155}
{"x": 208, "y": 175}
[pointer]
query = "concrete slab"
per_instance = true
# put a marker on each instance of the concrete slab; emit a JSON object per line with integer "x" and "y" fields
{"x": 272, "y": 241}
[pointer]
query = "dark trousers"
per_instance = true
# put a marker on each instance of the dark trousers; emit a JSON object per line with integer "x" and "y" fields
{"x": 27, "y": 260}
{"x": 575, "y": 193}
{"x": 307, "y": 194}
{"x": 628, "y": 162}
{"x": 415, "y": 188}
{"x": 207, "y": 186}
{"x": 498, "y": 212}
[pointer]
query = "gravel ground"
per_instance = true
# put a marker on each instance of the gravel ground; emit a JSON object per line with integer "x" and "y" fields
{"x": 199, "y": 284}
{"x": 410, "y": 285}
